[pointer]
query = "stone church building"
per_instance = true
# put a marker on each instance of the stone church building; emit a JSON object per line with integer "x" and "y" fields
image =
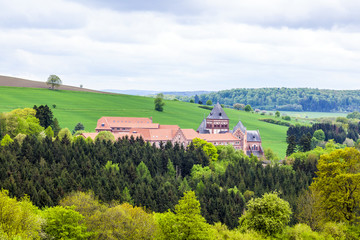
{"x": 217, "y": 122}
{"x": 213, "y": 129}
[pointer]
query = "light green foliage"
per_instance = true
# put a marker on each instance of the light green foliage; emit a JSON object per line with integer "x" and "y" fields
{"x": 319, "y": 135}
{"x": 89, "y": 140}
{"x": 112, "y": 166}
{"x": 20, "y": 138}
{"x": 126, "y": 197}
{"x": 354, "y": 115}
{"x": 337, "y": 183}
{"x": 270, "y": 155}
{"x": 220, "y": 231}
{"x": 117, "y": 222}
{"x": 209, "y": 102}
{"x": 64, "y": 223}
{"x": 84, "y": 203}
{"x": 198, "y": 172}
{"x": 248, "y": 195}
{"x": 78, "y": 133}
{"x": 307, "y": 212}
{"x": 349, "y": 142}
{"x": 248, "y": 108}
{"x": 123, "y": 222}
{"x": 238, "y": 106}
{"x": 22, "y": 121}
{"x": 53, "y": 81}
{"x": 268, "y": 214}
{"x": 200, "y": 188}
{"x": 19, "y": 219}
{"x": 333, "y": 230}
{"x": 171, "y": 169}
{"x": 343, "y": 120}
{"x": 65, "y": 132}
{"x": 186, "y": 223}
{"x": 6, "y": 141}
{"x": 229, "y": 153}
{"x": 208, "y": 148}
{"x": 143, "y": 172}
{"x": 78, "y": 139}
{"x": 277, "y": 114}
{"x": 49, "y": 132}
{"x": 105, "y": 135}
{"x": 302, "y": 232}
{"x": 184, "y": 186}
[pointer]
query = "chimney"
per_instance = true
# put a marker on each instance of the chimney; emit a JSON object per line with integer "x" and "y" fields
{"x": 151, "y": 119}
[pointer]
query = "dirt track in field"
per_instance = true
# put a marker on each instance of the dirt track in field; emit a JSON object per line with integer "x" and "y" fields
{"x": 19, "y": 82}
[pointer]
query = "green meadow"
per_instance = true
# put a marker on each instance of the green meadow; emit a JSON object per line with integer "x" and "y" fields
{"x": 73, "y": 107}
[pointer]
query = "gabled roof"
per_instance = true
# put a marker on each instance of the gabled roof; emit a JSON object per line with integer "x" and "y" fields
{"x": 240, "y": 126}
{"x": 106, "y": 123}
{"x": 190, "y": 134}
{"x": 116, "y": 135}
{"x": 218, "y": 137}
{"x": 202, "y": 127}
{"x": 165, "y": 134}
{"x": 253, "y": 136}
{"x": 217, "y": 113}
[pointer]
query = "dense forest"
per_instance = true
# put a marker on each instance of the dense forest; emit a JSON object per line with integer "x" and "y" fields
{"x": 286, "y": 99}
{"x": 59, "y": 185}
{"x": 156, "y": 178}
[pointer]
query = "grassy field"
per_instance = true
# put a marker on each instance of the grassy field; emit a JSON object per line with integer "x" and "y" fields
{"x": 312, "y": 115}
{"x": 85, "y": 107}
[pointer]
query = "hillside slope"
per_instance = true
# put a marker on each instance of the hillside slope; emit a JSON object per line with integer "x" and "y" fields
{"x": 86, "y": 107}
{"x": 19, "y": 82}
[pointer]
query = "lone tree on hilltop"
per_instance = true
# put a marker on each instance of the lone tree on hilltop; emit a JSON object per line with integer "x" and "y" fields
{"x": 159, "y": 104}
{"x": 54, "y": 81}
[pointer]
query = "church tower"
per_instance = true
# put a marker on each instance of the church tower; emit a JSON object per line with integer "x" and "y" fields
{"x": 217, "y": 121}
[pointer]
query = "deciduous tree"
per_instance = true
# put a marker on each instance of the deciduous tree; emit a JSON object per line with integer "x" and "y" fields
{"x": 159, "y": 103}
{"x": 53, "y": 81}
{"x": 186, "y": 223}
{"x": 337, "y": 183}
{"x": 268, "y": 214}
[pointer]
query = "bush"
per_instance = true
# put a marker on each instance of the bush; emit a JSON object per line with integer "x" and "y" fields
{"x": 277, "y": 122}
{"x": 300, "y": 232}
{"x": 268, "y": 214}
{"x": 206, "y": 107}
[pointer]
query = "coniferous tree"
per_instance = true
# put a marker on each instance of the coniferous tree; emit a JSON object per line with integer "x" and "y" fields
{"x": 291, "y": 145}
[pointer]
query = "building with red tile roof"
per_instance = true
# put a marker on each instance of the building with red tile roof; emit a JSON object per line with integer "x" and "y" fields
{"x": 213, "y": 129}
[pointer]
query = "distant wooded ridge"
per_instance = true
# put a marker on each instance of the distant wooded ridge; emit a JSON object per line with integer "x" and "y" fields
{"x": 286, "y": 99}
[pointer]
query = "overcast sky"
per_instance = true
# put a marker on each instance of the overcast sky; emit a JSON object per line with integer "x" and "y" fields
{"x": 186, "y": 45}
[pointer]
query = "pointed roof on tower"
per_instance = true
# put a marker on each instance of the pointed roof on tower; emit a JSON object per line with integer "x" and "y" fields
{"x": 217, "y": 113}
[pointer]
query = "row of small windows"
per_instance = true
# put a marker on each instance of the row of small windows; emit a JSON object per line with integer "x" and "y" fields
{"x": 217, "y": 125}
{"x": 130, "y": 121}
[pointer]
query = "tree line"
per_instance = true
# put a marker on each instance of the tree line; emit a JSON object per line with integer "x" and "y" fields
{"x": 285, "y": 99}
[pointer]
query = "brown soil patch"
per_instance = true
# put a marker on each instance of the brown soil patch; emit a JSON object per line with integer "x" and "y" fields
{"x": 19, "y": 82}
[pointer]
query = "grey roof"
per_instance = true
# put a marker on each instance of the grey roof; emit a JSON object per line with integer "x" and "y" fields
{"x": 202, "y": 127}
{"x": 217, "y": 113}
{"x": 253, "y": 136}
{"x": 240, "y": 126}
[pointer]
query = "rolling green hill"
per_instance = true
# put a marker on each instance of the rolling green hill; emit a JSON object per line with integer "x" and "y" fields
{"x": 86, "y": 107}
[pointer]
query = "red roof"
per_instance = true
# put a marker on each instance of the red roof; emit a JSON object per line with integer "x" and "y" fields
{"x": 164, "y": 135}
{"x": 116, "y": 135}
{"x": 190, "y": 134}
{"x": 218, "y": 137}
{"x": 106, "y": 123}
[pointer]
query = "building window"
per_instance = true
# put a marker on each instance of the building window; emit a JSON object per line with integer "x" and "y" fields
{"x": 103, "y": 124}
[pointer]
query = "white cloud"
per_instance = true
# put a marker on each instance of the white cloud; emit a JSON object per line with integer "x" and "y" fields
{"x": 229, "y": 44}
